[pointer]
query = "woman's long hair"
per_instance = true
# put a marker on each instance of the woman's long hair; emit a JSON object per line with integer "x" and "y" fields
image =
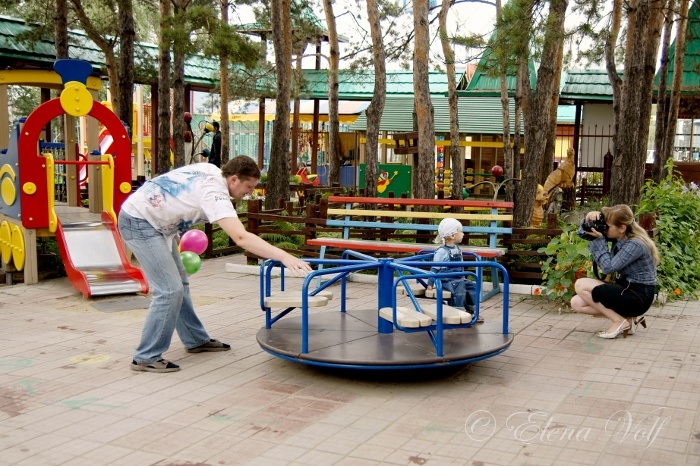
{"x": 621, "y": 214}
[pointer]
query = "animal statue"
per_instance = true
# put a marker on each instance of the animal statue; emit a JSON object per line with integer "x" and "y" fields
{"x": 563, "y": 176}
{"x": 555, "y": 200}
{"x": 538, "y": 212}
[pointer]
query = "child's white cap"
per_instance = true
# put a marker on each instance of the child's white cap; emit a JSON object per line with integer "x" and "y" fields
{"x": 448, "y": 227}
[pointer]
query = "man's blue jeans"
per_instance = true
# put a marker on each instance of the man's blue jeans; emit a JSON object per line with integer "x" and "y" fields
{"x": 171, "y": 304}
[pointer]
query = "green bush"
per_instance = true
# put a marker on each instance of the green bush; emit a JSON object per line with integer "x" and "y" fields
{"x": 678, "y": 218}
{"x": 677, "y": 207}
{"x": 569, "y": 259}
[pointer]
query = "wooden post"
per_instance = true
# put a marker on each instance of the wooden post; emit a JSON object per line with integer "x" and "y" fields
{"x": 648, "y": 222}
{"x": 254, "y": 207}
{"x": 607, "y": 172}
{"x": 209, "y": 231}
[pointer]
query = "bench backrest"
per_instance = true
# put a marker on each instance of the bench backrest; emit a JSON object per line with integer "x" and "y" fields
{"x": 492, "y": 212}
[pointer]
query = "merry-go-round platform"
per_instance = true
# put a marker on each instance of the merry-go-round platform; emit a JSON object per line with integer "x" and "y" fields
{"x": 403, "y": 332}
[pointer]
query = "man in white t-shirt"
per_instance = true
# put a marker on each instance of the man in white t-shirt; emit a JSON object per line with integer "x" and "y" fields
{"x": 150, "y": 222}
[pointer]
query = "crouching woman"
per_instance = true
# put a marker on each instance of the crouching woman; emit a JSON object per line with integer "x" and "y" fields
{"x": 633, "y": 258}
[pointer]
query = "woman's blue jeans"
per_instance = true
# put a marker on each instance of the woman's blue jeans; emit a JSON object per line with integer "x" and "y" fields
{"x": 171, "y": 304}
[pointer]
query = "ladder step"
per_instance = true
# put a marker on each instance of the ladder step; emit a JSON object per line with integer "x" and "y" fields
{"x": 406, "y": 317}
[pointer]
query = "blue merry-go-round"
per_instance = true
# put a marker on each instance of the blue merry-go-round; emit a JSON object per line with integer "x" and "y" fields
{"x": 403, "y": 331}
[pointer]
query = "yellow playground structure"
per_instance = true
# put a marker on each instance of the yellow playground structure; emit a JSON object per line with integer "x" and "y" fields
{"x": 40, "y": 186}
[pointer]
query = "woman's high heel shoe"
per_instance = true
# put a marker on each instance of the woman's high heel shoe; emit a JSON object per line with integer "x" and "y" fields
{"x": 622, "y": 328}
{"x": 636, "y": 323}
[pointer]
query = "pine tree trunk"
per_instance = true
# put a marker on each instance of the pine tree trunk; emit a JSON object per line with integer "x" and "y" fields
{"x": 512, "y": 189}
{"x": 424, "y": 172}
{"x": 163, "y": 165}
{"x": 61, "y": 29}
{"x": 179, "y": 126}
{"x": 376, "y": 107}
{"x": 127, "y": 37}
{"x": 333, "y": 120}
{"x": 630, "y": 142}
{"x": 456, "y": 160}
{"x": 223, "y": 92}
{"x": 678, "y": 65}
{"x": 278, "y": 172}
{"x": 551, "y": 138}
{"x": 662, "y": 102}
{"x": 536, "y": 113}
{"x": 505, "y": 107}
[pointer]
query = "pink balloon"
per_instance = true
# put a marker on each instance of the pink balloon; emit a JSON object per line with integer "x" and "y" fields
{"x": 195, "y": 241}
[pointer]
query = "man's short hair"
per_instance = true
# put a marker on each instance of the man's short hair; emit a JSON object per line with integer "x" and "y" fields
{"x": 242, "y": 166}
{"x": 215, "y": 124}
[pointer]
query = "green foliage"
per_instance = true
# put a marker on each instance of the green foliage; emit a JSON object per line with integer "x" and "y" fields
{"x": 285, "y": 240}
{"x": 678, "y": 208}
{"x": 23, "y": 100}
{"x": 569, "y": 259}
{"x": 678, "y": 215}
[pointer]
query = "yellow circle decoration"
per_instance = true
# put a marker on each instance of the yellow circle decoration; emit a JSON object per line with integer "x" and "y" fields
{"x": 76, "y": 100}
{"x": 29, "y": 188}
{"x": 18, "y": 247}
{"x": 7, "y": 186}
{"x": 8, "y": 190}
{"x": 5, "y": 245}
{"x": 125, "y": 187}
{"x": 89, "y": 358}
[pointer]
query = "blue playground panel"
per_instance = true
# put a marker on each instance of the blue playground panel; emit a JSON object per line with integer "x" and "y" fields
{"x": 360, "y": 339}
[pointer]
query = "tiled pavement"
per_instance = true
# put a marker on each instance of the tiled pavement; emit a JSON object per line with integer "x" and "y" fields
{"x": 559, "y": 395}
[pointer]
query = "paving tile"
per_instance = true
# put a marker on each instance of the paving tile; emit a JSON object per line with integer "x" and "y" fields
{"x": 558, "y": 395}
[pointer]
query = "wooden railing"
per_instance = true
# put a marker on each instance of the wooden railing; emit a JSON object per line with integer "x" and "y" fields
{"x": 522, "y": 260}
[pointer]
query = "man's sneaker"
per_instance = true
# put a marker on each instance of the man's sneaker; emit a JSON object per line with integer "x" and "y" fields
{"x": 211, "y": 345}
{"x": 162, "y": 365}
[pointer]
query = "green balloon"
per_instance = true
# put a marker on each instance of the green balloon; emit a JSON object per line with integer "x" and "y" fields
{"x": 190, "y": 261}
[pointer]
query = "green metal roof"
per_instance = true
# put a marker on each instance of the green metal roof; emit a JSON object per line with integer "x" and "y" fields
{"x": 477, "y": 115}
{"x": 199, "y": 70}
{"x": 587, "y": 85}
{"x": 691, "y": 63}
{"x": 484, "y": 85}
{"x": 358, "y": 85}
{"x": 41, "y": 53}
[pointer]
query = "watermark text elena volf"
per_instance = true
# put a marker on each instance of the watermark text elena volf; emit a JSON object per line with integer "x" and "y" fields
{"x": 541, "y": 427}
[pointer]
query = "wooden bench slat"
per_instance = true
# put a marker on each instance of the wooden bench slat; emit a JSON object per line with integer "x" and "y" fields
{"x": 412, "y": 226}
{"x": 414, "y": 214}
{"x": 432, "y": 293}
{"x": 384, "y": 246}
{"x": 428, "y": 202}
{"x": 361, "y": 227}
{"x": 417, "y": 289}
{"x": 450, "y": 315}
{"x": 293, "y": 299}
{"x": 406, "y": 317}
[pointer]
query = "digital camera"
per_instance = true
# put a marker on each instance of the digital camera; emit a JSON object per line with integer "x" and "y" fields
{"x": 599, "y": 225}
